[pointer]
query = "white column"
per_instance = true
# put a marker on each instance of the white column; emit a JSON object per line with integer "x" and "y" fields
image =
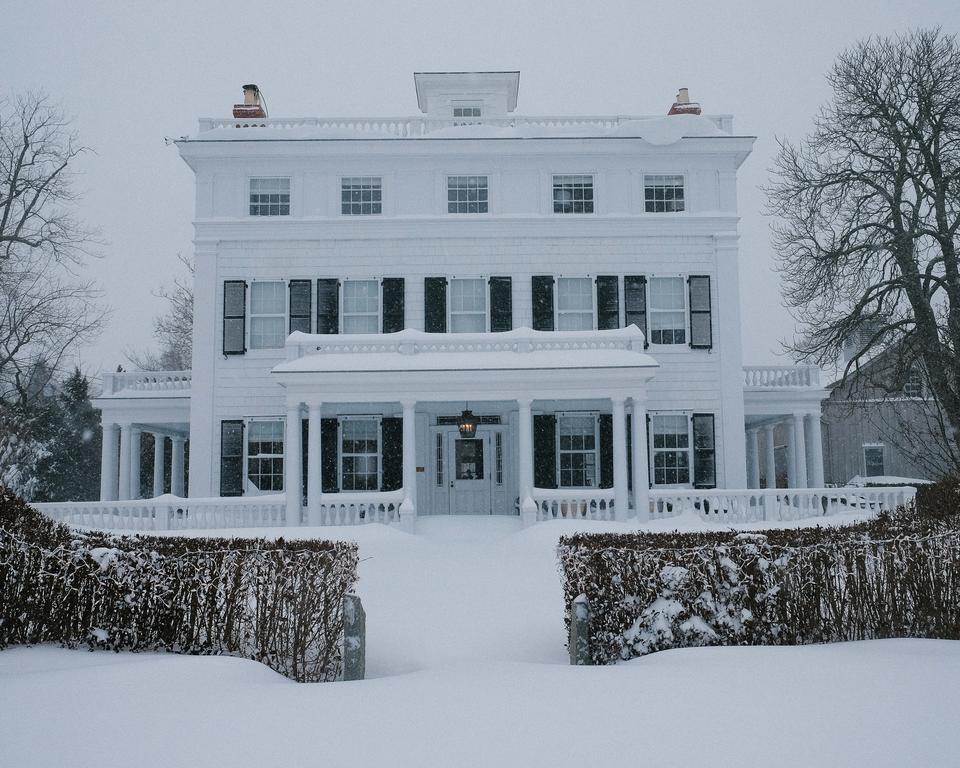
{"x": 314, "y": 464}
{"x": 158, "y": 464}
{"x": 292, "y": 481}
{"x": 770, "y": 457}
{"x": 108, "y": 463}
{"x": 641, "y": 475}
{"x": 800, "y": 451}
{"x": 123, "y": 491}
{"x": 176, "y": 466}
{"x": 621, "y": 497}
{"x": 135, "y": 434}
{"x": 528, "y": 507}
{"x": 753, "y": 459}
{"x": 791, "y": 455}
{"x": 408, "y": 507}
{"x": 731, "y": 425}
{"x": 816, "y": 450}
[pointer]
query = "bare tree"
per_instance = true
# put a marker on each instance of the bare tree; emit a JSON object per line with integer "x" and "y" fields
{"x": 173, "y": 330}
{"x": 868, "y": 211}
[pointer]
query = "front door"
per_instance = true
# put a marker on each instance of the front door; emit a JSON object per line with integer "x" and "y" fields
{"x": 469, "y": 473}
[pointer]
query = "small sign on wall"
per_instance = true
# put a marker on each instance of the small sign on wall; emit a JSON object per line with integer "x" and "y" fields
{"x": 421, "y": 469}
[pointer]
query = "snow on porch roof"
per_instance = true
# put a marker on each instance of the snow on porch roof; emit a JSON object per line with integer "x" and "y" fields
{"x": 519, "y": 349}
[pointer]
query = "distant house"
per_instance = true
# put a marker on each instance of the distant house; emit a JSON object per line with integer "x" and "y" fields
{"x": 881, "y": 423}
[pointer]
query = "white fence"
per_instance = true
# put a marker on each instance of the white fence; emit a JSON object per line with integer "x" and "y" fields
{"x": 781, "y": 376}
{"x": 569, "y": 503}
{"x": 357, "y": 508}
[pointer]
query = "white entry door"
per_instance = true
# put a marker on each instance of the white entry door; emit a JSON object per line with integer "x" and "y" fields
{"x": 469, "y": 473}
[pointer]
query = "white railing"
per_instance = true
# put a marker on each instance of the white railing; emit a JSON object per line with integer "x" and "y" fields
{"x": 574, "y": 504}
{"x": 357, "y": 508}
{"x": 159, "y": 383}
{"x": 777, "y": 504}
{"x": 779, "y": 376}
{"x": 413, "y": 127}
{"x": 411, "y": 342}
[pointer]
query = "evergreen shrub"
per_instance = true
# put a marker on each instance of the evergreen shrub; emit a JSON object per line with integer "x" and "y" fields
{"x": 275, "y": 601}
{"x": 897, "y": 575}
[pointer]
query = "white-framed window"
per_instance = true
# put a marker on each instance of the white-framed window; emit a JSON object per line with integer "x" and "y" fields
{"x": 270, "y": 196}
{"x": 361, "y": 306}
{"x": 264, "y": 456}
{"x": 468, "y": 305}
{"x": 466, "y": 114}
{"x": 360, "y": 453}
{"x": 873, "y": 460}
{"x": 663, "y": 193}
{"x": 467, "y": 194}
{"x": 361, "y": 195}
{"x": 575, "y": 304}
{"x": 578, "y": 445}
{"x": 268, "y": 314}
{"x": 573, "y": 194}
{"x": 668, "y": 310}
{"x": 671, "y": 447}
{"x": 913, "y": 387}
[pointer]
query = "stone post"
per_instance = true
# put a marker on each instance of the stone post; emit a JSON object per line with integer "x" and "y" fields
{"x": 176, "y": 466}
{"x": 753, "y": 459}
{"x": 408, "y": 507}
{"x": 314, "y": 464}
{"x": 641, "y": 471}
{"x": 292, "y": 481}
{"x": 354, "y": 638}
{"x": 816, "y": 450}
{"x": 158, "y": 464}
{"x": 528, "y": 507}
{"x": 800, "y": 451}
{"x": 620, "y": 494}
{"x": 123, "y": 492}
{"x": 135, "y": 435}
{"x": 108, "y": 463}
{"x": 579, "y": 641}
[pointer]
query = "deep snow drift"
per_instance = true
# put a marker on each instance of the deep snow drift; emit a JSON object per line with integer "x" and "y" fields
{"x": 468, "y": 668}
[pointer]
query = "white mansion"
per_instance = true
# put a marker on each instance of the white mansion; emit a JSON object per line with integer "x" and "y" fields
{"x": 467, "y": 311}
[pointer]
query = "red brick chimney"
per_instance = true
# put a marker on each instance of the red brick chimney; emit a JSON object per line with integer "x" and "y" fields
{"x": 683, "y": 105}
{"x": 252, "y": 108}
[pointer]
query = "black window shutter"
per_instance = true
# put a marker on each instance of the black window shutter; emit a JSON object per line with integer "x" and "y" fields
{"x": 543, "y": 302}
{"x": 304, "y": 458}
{"x": 328, "y": 305}
{"x": 391, "y": 444}
{"x": 635, "y": 303}
{"x": 646, "y": 437}
{"x": 234, "y": 317}
{"x": 545, "y": 450}
{"x": 629, "y": 452}
{"x": 435, "y": 304}
{"x": 328, "y": 455}
{"x": 300, "y": 306}
{"x": 501, "y": 304}
{"x": 393, "y": 305}
{"x": 704, "y": 451}
{"x": 231, "y": 458}
{"x": 608, "y": 302}
{"x": 701, "y": 333}
{"x": 606, "y": 450}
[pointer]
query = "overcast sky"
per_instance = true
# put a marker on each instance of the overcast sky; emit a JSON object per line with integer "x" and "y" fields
{"x": 132, "y": 73}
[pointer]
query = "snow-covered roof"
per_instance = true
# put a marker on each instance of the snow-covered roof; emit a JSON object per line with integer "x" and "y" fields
{"x": 659, "y": 131}
{"x": 519, "y": 349}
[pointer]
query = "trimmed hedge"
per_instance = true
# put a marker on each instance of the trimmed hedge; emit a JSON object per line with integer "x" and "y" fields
{"x": 277, "y": 602}
{"x": 897, "y": 575}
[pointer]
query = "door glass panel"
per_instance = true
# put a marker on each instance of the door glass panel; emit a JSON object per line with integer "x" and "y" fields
{"x": 469, "y": 456}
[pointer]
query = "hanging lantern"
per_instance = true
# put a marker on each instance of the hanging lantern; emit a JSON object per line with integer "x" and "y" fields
{"x": 467, "y": 423}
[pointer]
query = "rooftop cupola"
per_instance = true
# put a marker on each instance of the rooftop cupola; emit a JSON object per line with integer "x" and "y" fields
{"x": 467, "y": 97}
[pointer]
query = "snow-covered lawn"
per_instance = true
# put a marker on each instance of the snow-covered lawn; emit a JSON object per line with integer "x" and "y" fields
{"x": 467, "y": 667}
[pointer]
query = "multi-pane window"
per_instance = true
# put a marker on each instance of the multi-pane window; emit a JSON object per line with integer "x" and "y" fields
{"x": 361, "y": 306}
{"x": 667, "y": 310}
{"x": 573, "y": 194}
{"x": 466, "y": 194}
{"x": 361, "y": 196}
{"x": 468, "y": 306}
{"x": 577, "y": 451}
{"x": 574, "y": 304}
{"x": 270, "y": 196}
{"x": 914, "y": 384}
{"x": 265, "y": 456}
{"x": 498, "y": 454}
{"x": 360, "y": 454}
{"x": 663, "y": 194}
{"x": 440, "y": 459}
{"x": 671, "y": 449}
{"x": 873, "y": 460}
{"x": 268, "y": 314}
{"x": 466, "y": 115}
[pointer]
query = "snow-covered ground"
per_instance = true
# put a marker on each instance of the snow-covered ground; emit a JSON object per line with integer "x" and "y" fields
{"x": 467, "y": 667}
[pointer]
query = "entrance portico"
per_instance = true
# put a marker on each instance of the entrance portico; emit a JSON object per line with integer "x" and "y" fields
{"x": 505, "y": 377}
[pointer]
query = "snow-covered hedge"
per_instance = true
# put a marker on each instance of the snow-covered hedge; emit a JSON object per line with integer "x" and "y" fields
{"x": 277, "y": 602}
{"x": 895, "y": 576}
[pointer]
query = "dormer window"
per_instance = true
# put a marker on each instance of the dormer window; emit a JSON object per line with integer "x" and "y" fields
{"x": 466, "y": 114}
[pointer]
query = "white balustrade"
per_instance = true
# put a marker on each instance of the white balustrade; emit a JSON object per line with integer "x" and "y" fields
{"x": 359, "y": 508}
{"x": 159, "y": 383}
{"x": 781, "y": 376}
{"x": 574, "y": 503}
